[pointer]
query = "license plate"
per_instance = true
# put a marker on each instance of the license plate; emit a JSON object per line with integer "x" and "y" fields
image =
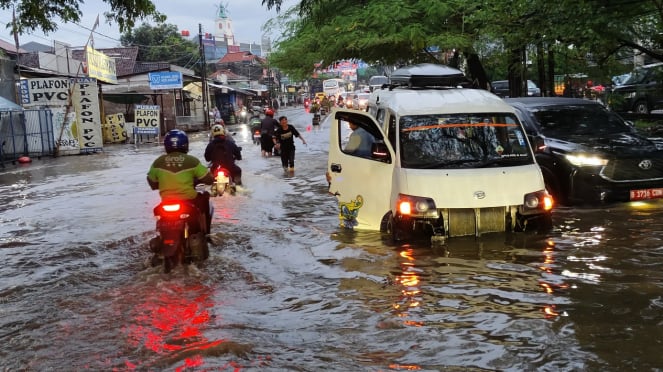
{"x": 171, "y": 224}
{"x": 645, "y": 194}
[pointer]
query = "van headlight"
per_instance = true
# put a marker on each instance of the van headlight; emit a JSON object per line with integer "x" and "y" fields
{"x": 416, "y": 206}
{"x": 539, "y": 201}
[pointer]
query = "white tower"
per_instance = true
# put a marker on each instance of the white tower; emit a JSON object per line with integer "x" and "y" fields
{"x": 224, "y": 28}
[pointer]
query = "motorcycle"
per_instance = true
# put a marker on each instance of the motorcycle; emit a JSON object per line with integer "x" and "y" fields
{"x": 255, "y": 130}
{"x": 243, "y": 115}
{"x": 182, "y": 228}
{"x": 223, "y": 181}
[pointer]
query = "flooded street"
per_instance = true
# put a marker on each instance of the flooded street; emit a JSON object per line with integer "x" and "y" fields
{"x": 286, "y": 289}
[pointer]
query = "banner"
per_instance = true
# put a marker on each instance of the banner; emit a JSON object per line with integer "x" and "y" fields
{"x": 100, "y": 66}
{"x": 81, "y": 131}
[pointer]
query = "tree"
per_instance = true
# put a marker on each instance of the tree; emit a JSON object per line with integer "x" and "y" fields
{"x": 162, "y": 43}
{"x": 398, "y": 32}
{"x": 32, "y": 15}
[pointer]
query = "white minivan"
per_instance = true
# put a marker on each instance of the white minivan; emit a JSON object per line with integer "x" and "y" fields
{"x": 445, "y": 161}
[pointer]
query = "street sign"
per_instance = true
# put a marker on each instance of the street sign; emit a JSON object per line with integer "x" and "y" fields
{"x": 165, "y": 80}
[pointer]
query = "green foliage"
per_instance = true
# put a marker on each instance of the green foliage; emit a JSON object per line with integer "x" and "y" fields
{"x": 45, "y": 15}
{"x": 162, "y": 43}
{"x": 592, "y": 36}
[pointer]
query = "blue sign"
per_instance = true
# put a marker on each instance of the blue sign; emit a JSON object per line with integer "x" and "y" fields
{"x": 165, "y": 80}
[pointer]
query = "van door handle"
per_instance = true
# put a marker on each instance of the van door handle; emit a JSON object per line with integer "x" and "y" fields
{"x": 336, "y": 168}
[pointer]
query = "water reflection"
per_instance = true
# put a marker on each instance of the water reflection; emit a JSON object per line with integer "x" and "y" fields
{"x": 171, "y": 326}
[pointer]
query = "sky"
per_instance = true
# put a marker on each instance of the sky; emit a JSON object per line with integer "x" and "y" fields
{"x": 248, "y": 17}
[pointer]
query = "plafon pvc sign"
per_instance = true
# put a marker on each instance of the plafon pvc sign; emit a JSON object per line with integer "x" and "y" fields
{"x": 165, "y": 80}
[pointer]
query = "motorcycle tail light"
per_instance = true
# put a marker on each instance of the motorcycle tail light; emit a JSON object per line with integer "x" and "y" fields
{"x": 220, "y": 172}
{"x": 171, "y": 207}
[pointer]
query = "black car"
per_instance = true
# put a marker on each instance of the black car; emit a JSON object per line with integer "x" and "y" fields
{"x": 589, "y": 154}
{"x": 501, "y": 88}
{"x": 641, "y": 92}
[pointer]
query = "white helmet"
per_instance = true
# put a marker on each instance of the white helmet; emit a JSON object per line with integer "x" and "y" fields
{"x": 218, "y": 130}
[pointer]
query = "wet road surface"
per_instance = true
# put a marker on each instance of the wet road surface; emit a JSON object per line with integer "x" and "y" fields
{"x": 286, "y": 289}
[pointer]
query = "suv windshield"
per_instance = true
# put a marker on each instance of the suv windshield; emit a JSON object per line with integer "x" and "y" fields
{"x": 462, "y": 141}
{"x": 564, "y": 122}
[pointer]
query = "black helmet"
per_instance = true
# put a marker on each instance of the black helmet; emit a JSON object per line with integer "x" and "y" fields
{"x": 176, "y": 140}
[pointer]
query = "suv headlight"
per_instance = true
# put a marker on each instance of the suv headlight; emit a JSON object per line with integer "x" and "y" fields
{"x": 416, "y": 206}
{"x": 586, "y": 160}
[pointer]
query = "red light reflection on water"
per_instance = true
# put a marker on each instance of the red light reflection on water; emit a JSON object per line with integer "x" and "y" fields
{"x": 409, "y": 280}
{"x": 549, "y": 311}
{"x": 170, "y": 321}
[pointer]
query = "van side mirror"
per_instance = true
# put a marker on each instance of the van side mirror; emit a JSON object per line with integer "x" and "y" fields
{"x": 538, "y": 144}
{"x": 379, "y": 151}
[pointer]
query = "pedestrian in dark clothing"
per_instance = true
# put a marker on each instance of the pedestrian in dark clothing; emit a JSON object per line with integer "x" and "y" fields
{"x": 267, "y": 127}
{"x": 224, "y": 153}
{"x": 284, "y": 139}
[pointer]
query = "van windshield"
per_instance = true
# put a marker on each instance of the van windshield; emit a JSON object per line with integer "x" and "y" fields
{"x": 462, "y": 141}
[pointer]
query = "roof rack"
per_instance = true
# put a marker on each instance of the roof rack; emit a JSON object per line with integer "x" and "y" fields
{"x": 428, "y": 75}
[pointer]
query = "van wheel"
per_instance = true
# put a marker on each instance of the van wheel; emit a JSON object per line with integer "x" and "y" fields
{"x": 397, "y": 234}
{"x": 641, "y": 107}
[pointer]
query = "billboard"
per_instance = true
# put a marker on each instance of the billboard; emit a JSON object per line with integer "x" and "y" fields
{"x": 78, "y": 132}
{"x": 100, "y": 66}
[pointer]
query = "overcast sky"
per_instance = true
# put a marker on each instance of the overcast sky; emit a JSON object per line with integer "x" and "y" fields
{"x": 248, "y": 17}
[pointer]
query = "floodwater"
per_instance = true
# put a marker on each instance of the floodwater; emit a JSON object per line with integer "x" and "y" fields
{"x": 286, "y": 289}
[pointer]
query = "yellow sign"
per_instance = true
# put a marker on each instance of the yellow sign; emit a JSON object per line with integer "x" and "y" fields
{"x": 100, "y": 66}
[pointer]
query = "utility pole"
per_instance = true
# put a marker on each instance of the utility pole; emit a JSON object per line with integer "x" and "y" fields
{"x": 203, "y": 78}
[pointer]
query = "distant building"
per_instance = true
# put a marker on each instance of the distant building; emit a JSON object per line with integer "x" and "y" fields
{"x": 222, "y": 40}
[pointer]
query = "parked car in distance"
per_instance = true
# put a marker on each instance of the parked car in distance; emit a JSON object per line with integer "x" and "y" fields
{"x": 641, "y": 92}
{"x": 376, "y": 82}
{"x": 501, "y": 88}
{"x": 360, "y": 100}
{"x": 589, "y": 154}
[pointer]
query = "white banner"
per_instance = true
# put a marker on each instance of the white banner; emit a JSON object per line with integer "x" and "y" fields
{"x": 83, "y": 125}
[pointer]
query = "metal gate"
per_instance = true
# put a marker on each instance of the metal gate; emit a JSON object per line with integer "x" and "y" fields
{"x": 26, "y": 133}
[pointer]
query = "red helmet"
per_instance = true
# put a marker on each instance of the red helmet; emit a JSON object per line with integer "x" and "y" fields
{"x": 269, "y": 111}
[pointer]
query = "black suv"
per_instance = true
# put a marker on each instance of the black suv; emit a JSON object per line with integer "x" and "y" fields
{"x": 501, "y": 88}
{"x": 589, "y": 154}
{"x": 641, "y": 93}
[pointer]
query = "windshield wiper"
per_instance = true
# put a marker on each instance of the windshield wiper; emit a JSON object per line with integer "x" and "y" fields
{"x": 467, "y": 163}
{"x": 516, "y": 160}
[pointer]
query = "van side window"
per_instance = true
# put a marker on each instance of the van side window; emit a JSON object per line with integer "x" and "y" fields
{"x": 357, "y": 138}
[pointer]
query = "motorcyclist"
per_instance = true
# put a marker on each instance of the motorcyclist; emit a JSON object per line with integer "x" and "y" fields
{"x": 176, "y": 173}
{"x": 267, "y": 126}
{"x": 223, "y": 152}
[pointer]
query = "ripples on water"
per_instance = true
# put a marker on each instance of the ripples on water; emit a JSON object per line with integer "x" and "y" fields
{"x": 285, "y": 289}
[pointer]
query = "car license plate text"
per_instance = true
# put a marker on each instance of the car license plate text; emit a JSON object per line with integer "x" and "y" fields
{"x": 645, "y": 194}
